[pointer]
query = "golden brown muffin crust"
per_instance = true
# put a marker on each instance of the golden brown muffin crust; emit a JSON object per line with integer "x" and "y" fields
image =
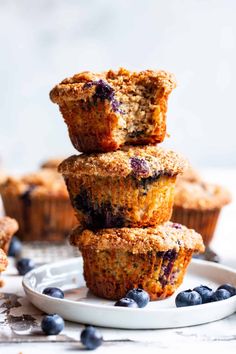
{"x": 45, "y": 182}
{"x": 190, "y": 175}
{"x": 52, "y": 163}
{"x": 121, "y": 163}
{"x": 8, "y": 227}
{"x": 200, "y": 195}
{"x": 3, "y": 261}
{"x": 72, "y": 88}
{"x": 139, "y": 240}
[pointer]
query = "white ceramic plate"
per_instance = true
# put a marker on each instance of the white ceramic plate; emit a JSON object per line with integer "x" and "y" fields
{"x": 81, "y": 306}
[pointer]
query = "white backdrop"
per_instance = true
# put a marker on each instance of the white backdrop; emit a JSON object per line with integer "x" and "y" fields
{"x": 44, "y": 41}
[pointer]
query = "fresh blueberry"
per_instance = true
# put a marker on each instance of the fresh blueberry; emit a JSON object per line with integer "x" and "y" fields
{"x": 91, "y": 338}
{"x": 231, "y": 289}
{"x": 205, "y": 292}
{"x": 140, "y": 296}
{"x": 54, "y": 292}
{"x": 220, "y": 294}
{"x": 126, "y": 302}
{"x": 139, "y": 166}
{"x": 52, "y": 324}
{"x": 188, "y": 298}
{"x": 104, "y": 91}
{"x": 24, "y": 265}
{"x": 15, "y": 247}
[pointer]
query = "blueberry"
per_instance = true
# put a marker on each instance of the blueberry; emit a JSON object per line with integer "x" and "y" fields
{"x": 52, "y": 324}
{"x": 54, "y": 292}
{"x": 24, "y": 265}
{"x": 140, "y": 296}
{"x": 104, "y": 91}
{"x": 139, "y": 166}
{"x": 15, "y": 247}
{"x": 176, "y": 225}
{"x": 91, "y": 338}
{"x": 188, "y": 298}
{"x": 229, "y": 287}
{"x": 26, "y": 196}
{"x": 126, "y": 302}
{"x": 205, "y": 292}
{"x": 98, "y": 216}
{"x": 220, "y": 294}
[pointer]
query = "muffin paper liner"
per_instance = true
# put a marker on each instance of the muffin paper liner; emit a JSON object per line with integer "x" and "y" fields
{"x": 111, "y": 274}
{"x": 202, "y": 221}
{"x": 96, "y": 127}
{"x": 41, "y": 219}
{"x": 121, "y": 202}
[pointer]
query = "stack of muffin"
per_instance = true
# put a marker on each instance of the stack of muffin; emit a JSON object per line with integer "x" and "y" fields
{"x": 122, "y": 190}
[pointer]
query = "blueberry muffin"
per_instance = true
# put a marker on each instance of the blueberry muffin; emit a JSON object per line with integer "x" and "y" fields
{"x": 108, "y": 110}
{"x": 198, "y": 205}
{"x": 8, "y": 227}
{"x": 154, "y": 258}
{"x": 41, "y": 205}
{"x": 190, "y": 175}
{"x": 132, "y": 187}
{"x": 3, "y": 262}
{"x": 52, "y": 163}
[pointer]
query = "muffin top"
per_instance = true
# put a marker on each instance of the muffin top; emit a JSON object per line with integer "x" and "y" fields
{"x": 190, "y": 175}
{"x": 83, "y": 85}
{"x": 8, "y": 227}
{"x": 45, "y": 182}
{"x": 3, "y": 261}
{"x": 52, "y": 163}
{"x": 161, "y": 238}
{"x": 140, "y": 162}
{"x": 200, "y": 195}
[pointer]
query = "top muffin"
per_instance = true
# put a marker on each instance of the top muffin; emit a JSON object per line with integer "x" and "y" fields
{"x": 108, "y": 110}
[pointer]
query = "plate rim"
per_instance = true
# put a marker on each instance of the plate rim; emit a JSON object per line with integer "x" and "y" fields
{"x": 106, "y": 307}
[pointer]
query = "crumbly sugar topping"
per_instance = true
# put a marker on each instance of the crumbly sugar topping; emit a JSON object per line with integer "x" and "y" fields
{"x": 43, "y": 182}
{"x": 141, "y": 161}
{"x": 73, "y": 88}
{"x": 139, "y": 240}
{"x": 200, "y": 195}
{"x": 3, "y": 261}
{"x": 52, "y": 163}
{"x": 8, "y": 227}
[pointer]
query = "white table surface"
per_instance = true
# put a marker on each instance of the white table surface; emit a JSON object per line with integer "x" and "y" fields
{"x": 216, "y": 337}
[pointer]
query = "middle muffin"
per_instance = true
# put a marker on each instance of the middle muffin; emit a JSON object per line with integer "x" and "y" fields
{"x": 132, "y": 187}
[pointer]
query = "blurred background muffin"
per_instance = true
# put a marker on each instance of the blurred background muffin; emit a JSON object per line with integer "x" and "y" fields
{"x": 8, "y": 228}
{"x": 198, "y": 204}
{"x": 52, "y": 162}
{"x": 40, "y": 203}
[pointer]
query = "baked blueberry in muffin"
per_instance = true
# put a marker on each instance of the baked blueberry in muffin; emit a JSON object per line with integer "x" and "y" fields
{"x": 132, "y": 187}
{"x": 117, "y": 260}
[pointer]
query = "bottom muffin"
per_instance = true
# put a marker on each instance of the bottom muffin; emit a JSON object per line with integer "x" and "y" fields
{"x": 153, "y": 258}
